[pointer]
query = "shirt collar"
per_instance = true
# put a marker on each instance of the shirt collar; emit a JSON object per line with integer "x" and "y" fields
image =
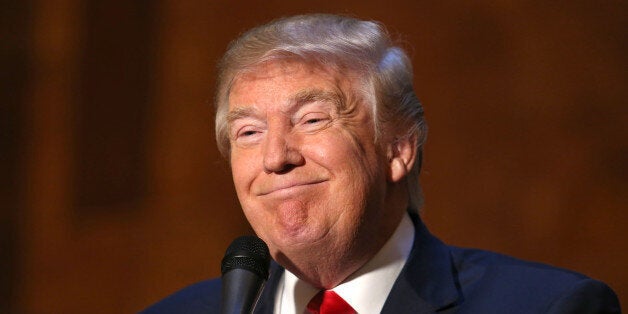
{"x": 367, "y": 289}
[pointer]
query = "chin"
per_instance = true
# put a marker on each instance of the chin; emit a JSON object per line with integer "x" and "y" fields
{"x": 302, "y": 241}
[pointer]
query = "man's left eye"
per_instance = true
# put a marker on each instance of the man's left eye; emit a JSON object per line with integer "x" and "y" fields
{"x": 314, "y": 117}
{"x": 313, "y": 120}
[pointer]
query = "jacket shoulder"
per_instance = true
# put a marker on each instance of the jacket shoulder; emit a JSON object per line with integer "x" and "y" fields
{"x": 202, "y": 297}
{"x": 503, "y": 282}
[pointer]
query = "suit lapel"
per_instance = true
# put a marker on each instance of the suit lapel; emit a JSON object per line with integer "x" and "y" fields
{"x": 427, "y": 283}
{"x": 266, "y": 303}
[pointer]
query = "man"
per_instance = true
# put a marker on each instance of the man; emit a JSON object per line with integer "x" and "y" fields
{"x": 318, "y": 117}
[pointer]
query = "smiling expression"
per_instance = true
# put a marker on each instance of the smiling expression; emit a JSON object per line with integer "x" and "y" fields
{"x": 305, "y": 165}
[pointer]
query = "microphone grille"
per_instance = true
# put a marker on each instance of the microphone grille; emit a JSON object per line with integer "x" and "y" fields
{"x": 247, "y": 252}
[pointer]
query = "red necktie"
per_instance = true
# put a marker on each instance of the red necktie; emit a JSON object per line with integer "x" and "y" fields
{"x": 328, "y": 302}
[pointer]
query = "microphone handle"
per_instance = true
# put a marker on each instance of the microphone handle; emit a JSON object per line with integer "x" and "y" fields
{"x": 240, "y": 291}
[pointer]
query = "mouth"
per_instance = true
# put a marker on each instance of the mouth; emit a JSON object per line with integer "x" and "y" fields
{"x": 288, "y": 187}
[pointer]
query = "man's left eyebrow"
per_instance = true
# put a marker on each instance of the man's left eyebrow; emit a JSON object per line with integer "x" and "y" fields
{"x": 312, "y": 95}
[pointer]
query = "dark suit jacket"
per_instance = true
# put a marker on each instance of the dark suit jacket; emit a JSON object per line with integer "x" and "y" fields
{"x": 445, "y": 279}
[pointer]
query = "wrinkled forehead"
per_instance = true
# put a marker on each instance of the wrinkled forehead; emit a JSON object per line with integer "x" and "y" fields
{"x": 283, "y": 88}
{"x": 268, "y": 69}
{"x": 271, "y": 69}
{"x": 309, "y": 75}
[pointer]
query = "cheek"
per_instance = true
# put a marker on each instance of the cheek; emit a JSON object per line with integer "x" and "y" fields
{"x": 360, "y": 158}
{"x": 241, "y": 171}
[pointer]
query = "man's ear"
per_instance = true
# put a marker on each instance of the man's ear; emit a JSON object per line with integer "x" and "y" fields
{"x": 402, "y": 154}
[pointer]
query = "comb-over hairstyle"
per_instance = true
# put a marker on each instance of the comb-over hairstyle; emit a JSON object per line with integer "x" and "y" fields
{"x": 341, "y": 43}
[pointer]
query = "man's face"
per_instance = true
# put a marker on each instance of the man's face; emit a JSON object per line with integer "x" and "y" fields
{"x": 305, "y": 165}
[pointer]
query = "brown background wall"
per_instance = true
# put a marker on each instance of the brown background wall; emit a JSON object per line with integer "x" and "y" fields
{"x": 114, "y": 194}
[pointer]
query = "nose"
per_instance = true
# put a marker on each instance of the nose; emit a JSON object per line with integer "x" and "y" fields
{"x": 281, "y": 152}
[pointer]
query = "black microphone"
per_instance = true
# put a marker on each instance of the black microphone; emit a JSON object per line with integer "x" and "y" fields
{"x": 244, "y": 272}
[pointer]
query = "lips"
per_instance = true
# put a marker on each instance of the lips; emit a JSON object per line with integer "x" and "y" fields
{"x": 278, "y": 186}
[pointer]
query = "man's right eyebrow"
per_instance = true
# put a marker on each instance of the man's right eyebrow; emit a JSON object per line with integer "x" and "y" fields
{"x": 239, "y": 113}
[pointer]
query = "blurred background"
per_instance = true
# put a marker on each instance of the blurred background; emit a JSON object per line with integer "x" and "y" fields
{"x": 113, "y": 193}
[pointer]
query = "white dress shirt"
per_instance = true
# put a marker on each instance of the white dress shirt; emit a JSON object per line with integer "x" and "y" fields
{"x": 365, "y": 290}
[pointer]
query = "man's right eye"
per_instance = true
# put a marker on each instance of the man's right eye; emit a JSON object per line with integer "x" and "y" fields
{"x": 248, "y": 133}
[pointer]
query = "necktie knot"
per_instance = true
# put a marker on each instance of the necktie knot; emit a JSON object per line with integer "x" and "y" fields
{"x": 328, "y": 302}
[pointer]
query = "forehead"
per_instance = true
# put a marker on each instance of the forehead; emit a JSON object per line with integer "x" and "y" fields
{"x": 283, "y": 79}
